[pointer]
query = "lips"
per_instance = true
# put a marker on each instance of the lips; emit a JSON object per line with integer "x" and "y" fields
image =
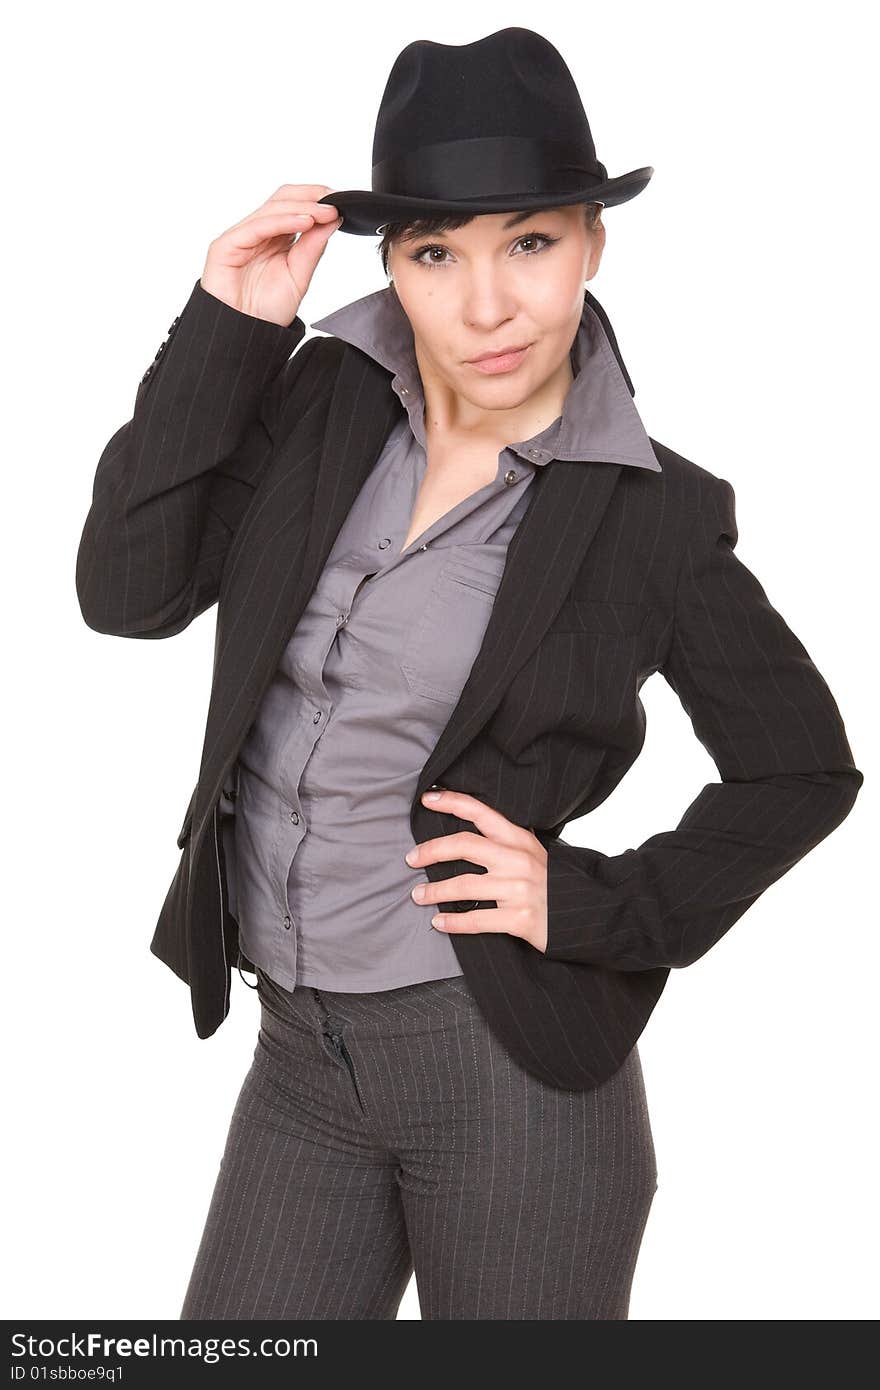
{"x": 502, "y": 352}
{"x": 499, "y": 362}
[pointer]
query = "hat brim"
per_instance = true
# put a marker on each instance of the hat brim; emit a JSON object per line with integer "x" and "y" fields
{"x": 366, "y": 213}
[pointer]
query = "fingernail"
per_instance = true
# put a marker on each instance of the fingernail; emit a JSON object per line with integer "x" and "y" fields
{"x": 432, "y": 796}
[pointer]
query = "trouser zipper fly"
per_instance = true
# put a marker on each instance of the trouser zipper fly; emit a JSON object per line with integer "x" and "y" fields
{"x": 342, "y": 1051}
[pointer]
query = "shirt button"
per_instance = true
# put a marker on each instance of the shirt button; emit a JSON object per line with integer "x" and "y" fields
{"x": 404, "y": 390}
{"x": 510, "y": 476}
{"x": 316, "y": 716}
{"x": 294, "y": 816}
{"x": 534, "y": 453}
{"x": 424, "y": 547}
{"x": 287, "y": 921}
{"x": 341, "y": 619}
{"x": 384, "y": 544}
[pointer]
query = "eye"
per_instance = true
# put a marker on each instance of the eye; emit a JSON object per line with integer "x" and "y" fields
{"x": 543, "y": 237}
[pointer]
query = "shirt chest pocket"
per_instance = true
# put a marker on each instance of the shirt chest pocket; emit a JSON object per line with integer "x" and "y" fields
{"x": 440, "y": 643}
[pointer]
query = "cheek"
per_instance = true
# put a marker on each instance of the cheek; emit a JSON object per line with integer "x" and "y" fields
{"x": 549, "y": 352}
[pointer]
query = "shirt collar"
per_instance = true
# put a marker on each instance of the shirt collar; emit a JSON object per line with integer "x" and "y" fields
{"x": 599, "y": 419}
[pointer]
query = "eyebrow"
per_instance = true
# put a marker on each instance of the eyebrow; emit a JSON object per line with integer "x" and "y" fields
{"x": 513, "y": 221}
{"x": 519, "y": 217}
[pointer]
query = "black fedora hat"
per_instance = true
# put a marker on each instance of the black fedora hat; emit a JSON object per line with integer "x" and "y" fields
{"x": 490, "y": 126}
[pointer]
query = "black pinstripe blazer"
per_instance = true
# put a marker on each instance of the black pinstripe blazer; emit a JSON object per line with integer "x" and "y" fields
{"x": 229, "y": 485}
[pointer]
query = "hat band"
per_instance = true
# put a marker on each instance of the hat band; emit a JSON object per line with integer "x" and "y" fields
{"x": 486, "y": 165}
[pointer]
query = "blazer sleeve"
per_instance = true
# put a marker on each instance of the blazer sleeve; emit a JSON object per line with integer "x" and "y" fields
{"x": 771, "y": 725}
{"x": 173, "y": 482}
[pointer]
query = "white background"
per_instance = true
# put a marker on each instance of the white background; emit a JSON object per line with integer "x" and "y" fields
{"x": 742, "y": 289}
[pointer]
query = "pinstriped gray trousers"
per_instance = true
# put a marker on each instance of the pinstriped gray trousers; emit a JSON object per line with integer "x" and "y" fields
{"x": 385, "y": 1134}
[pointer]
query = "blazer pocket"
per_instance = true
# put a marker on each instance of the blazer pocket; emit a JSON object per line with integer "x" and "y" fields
{"x": 606, "y": 616}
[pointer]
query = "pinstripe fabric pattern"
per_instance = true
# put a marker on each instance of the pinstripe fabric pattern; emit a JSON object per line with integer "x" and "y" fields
{"x": 766, "y": 715}
{"x": 150, "y": 560}
{"x": 419, "y": 1144}
{"x": 231, "y": 483}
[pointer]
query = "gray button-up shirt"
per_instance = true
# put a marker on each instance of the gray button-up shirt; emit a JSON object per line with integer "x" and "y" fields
{"x": 317, "y": 830}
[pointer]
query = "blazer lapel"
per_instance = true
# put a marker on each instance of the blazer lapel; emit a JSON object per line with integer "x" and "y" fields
{"x": 362, "y": 412}
{"x": 545, "y": 552}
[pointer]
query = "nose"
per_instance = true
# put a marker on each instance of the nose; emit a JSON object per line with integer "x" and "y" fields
{"x": 488, "y": 311}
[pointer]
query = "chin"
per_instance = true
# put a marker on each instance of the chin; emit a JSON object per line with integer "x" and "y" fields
{"x": 498, "y": 397}
{"x": 512, "y": 389}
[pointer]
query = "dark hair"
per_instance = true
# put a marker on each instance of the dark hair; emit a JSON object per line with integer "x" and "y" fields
{"x": 425, "y": 226}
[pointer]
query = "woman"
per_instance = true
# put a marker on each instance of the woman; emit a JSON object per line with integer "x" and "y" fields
{"x": 478, "y": 556}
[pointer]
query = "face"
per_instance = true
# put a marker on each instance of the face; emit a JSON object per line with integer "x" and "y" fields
{"x": 504, "y": 280}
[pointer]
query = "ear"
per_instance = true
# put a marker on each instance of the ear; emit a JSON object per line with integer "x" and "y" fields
{"x": 597, "y": 246}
